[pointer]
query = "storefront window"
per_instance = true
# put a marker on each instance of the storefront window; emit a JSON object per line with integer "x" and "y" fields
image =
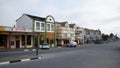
{"x": 28, "y": 39}
{"x": 3, "y": 40}
{"x": 12, "y": 43}
{"x": 23, "y": 40}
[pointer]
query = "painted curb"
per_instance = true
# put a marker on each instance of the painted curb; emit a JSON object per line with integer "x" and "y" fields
{"x": 22, "y": 60}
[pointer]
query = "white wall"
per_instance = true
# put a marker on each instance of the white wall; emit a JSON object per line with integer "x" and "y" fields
{"x": 24, "y": 22}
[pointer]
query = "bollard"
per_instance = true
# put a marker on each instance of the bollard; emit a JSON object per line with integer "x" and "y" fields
{"x": 36, "y": 51}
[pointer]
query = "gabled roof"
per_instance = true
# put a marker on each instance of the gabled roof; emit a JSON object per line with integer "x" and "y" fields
{"x": 72, "y": 25}
{"x": 35, "y": 17}
{"x": 62, "y": 23}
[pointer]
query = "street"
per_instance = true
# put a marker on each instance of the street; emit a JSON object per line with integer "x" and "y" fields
{"x": 84, "y": 56}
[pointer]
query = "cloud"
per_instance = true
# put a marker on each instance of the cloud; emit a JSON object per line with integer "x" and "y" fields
{"x": 102, "y": 14}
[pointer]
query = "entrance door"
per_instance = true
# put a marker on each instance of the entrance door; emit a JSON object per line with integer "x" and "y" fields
{"x": 17, "y": 43}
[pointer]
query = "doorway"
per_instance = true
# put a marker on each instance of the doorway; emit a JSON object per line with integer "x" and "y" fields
{"x": 17, "y": 43}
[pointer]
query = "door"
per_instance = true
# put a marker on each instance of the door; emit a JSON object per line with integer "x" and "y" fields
{"x": 17, "y": 43}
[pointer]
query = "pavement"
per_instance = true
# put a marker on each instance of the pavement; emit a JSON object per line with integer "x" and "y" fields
{"x": 5, "y": 59}
{"x": 15, "y": 49}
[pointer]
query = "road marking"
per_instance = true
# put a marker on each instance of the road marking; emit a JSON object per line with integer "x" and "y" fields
{"x": 26, "y": 50}
{"x": 59, "y": 47}
{"x": 25, "y": 59}
{"x": 7, "y": 62}
{"x": 40, "y": 57}
{"x": 33, "y": 49}
{"x": 1, "y": 63}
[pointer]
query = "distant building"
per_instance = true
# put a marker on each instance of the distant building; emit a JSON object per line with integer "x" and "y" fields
{"x": 65, "y": 32}
{"x": 79, "y": 35}
{"x": 92, "y": 35}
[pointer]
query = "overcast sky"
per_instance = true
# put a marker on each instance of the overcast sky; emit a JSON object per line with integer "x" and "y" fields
{"x": 93, "y": 14}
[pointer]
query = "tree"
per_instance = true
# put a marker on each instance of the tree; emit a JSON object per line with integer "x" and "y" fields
{"x": 111, "y": 35}
{"x": 105, "y": 37}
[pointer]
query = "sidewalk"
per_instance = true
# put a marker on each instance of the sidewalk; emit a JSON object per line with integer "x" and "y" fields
{"x": 15, "y": 49}
{"x": 16, "y": 58}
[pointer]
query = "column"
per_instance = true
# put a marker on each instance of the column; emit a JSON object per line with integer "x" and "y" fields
{"x": 9, "y": 40}
{"x": 38, "y": 38}
{"x": 25, "y": 40}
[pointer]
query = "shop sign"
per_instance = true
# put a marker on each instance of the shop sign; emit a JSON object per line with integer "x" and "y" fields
{"x": 2, "y": 28}
{"x": 8, "y": 28}
{"x": 4, "y": 33}
{"x": 21, "y": 30}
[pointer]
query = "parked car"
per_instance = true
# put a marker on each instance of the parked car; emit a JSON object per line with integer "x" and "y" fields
{"x": 45, "y": 46}
{"x": 71, "y": 44}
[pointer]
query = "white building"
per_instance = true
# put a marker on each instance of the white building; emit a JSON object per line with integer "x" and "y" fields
{"x": 79, "y": 35}
{"x": 65, "y": 32}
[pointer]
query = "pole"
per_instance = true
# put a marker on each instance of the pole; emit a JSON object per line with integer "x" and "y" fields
{"x": 54, "y": 33}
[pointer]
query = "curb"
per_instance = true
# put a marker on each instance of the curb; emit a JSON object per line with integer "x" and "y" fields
{"x": 22, "y": 60}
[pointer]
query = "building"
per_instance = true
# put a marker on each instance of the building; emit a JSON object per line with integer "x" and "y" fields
{"x": 44, "y": 27}
{"x": 92, "y": 35}
{"x": 12, "y": 37}
{"x": 65, "y": 32}
{"x": 79, "y": 35}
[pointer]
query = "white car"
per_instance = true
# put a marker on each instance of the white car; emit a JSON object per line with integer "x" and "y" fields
{"x": 72, "y": 44}
{"x": 45, "y": 46}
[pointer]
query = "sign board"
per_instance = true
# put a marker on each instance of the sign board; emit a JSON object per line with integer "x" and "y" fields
{"x": 8, "y": 28}
{"x": 21, "y": 29}
{"x": 2, "y": 28}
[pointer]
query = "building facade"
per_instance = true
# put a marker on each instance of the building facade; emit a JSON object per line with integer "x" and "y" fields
{"x": 65, "y": 32}
{"x": 44, "y": 27}
{"x": 11, "y": 37}
{"x": 92, "y": 35}
{"x": 79, "y": 35}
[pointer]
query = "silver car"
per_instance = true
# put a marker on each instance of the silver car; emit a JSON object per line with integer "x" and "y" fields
{"x": 72, "y": 44}
{"x": 45, "y": 46}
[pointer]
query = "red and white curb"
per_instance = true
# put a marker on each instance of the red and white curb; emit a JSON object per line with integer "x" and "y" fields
{"x": 7, "y": 62}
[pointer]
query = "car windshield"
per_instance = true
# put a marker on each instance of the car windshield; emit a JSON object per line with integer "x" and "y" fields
{"x": 45, "y": 44}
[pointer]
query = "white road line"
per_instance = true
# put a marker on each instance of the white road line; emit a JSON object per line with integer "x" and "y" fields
{"x": 25, "y": 59}
{"x": 26, "y": 50}
{"x": 39, "y": 57}
{"x": 1, "y": 63}
{"x": 33, "y": 49}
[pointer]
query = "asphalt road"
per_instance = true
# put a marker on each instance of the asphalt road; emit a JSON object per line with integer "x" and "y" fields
{"x": 87, "y": 56}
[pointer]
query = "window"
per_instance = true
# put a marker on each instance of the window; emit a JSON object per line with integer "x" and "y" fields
{"x": 64, "y": 34}
{"x": 48, "y": 27}
{"x": 28, "y": 39}
{"x": 23, "y": 40}
{"x": 72, "y": 35}
{"x": 52, "y": 27}
{"x": 42, "y": 26}
{"x": 3, "y": 40}
{"x": 94, "y": 33}
{"x": 12, "y": 43}
{"x": 87, "y": 33}
{"x": 37, "y": 26}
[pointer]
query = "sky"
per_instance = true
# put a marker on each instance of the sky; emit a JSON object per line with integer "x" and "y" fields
{"x": 92, "y": 14}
